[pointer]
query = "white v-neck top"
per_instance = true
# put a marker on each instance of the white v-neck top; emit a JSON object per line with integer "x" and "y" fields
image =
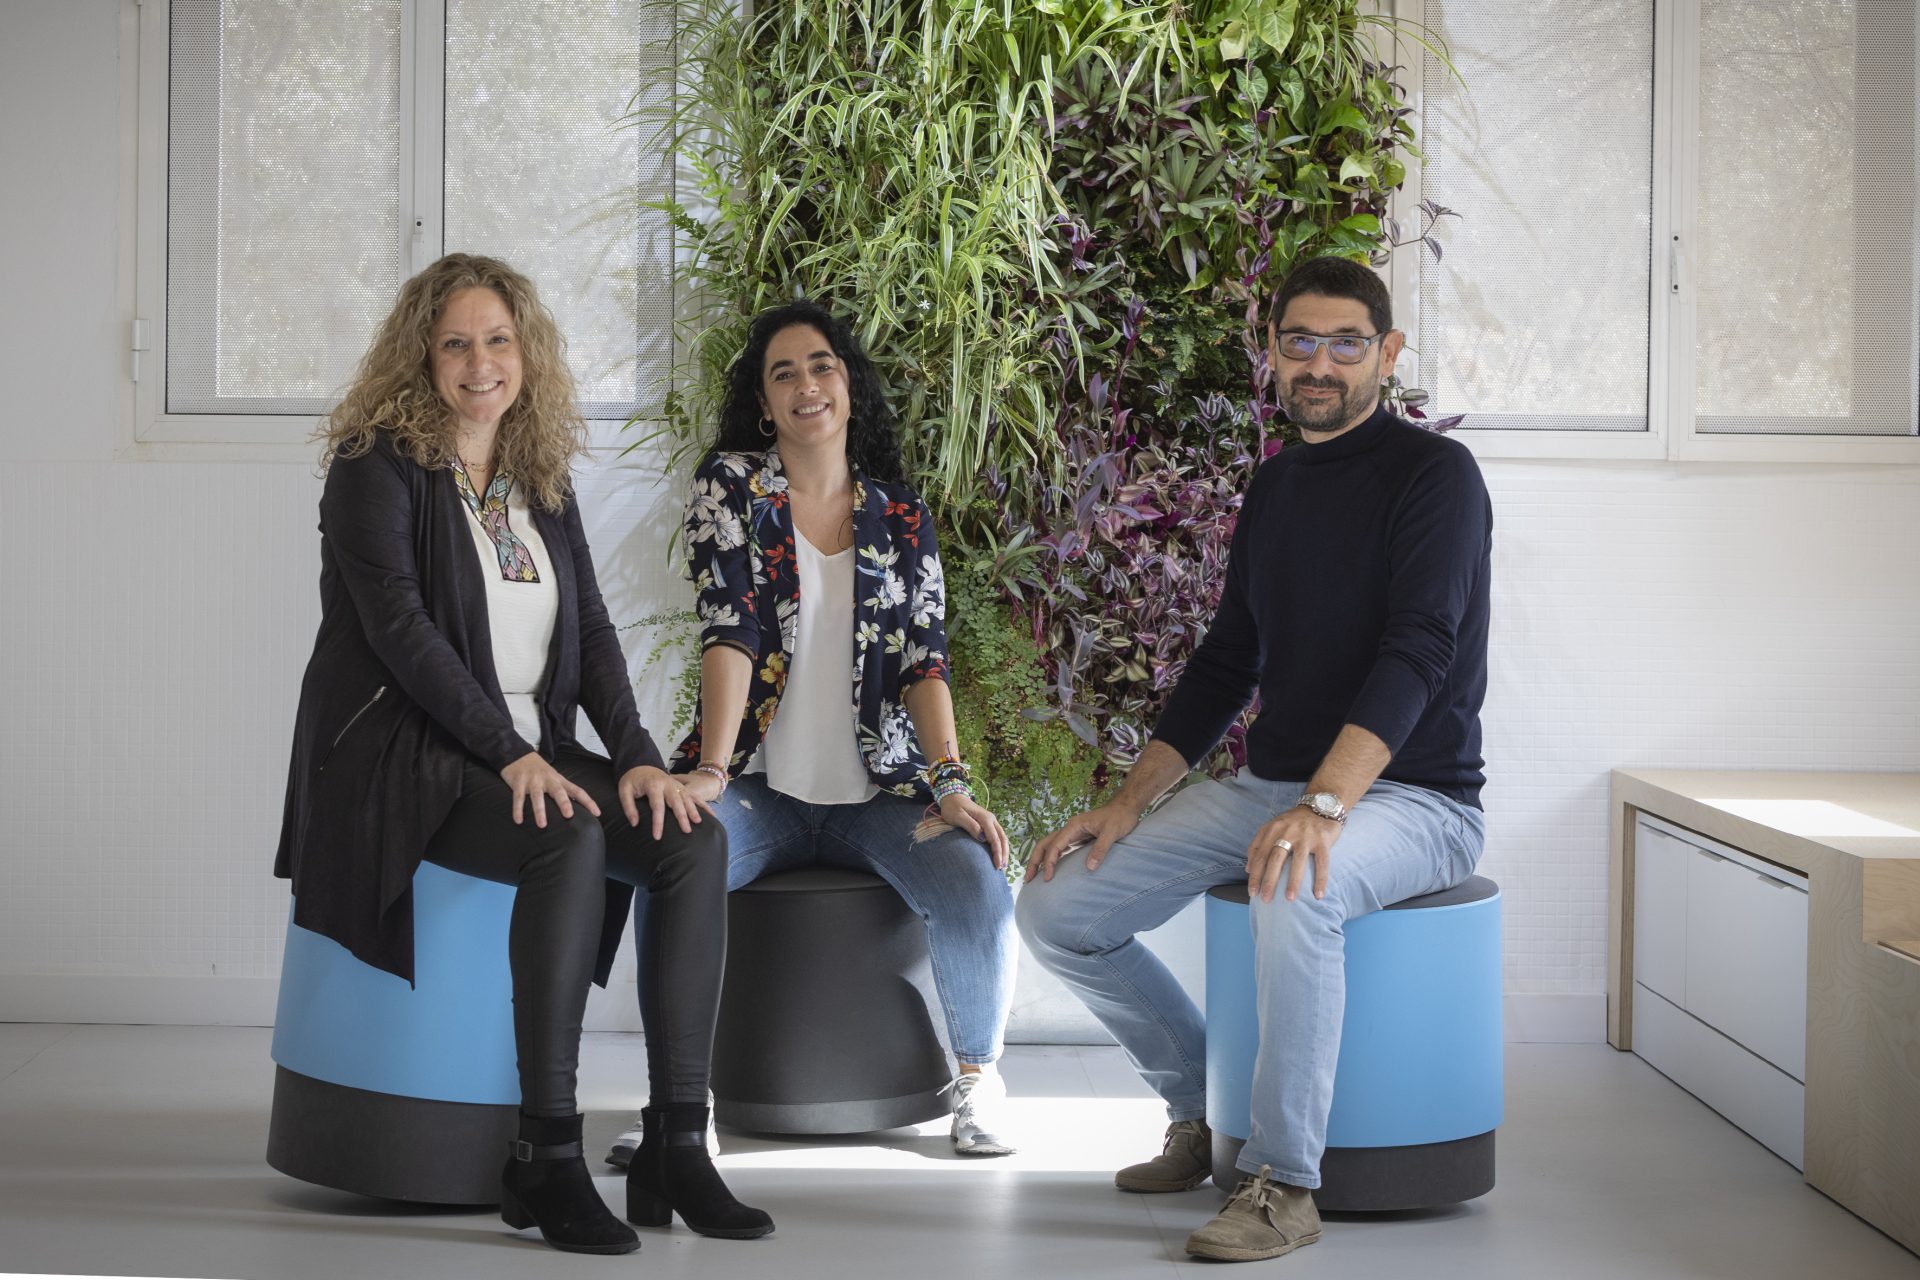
{"x": 520, "y": 616}
{"x": 811, "y": 750}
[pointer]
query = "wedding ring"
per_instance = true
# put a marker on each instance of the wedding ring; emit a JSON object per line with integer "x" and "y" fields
{"x": 1287, "y": 845}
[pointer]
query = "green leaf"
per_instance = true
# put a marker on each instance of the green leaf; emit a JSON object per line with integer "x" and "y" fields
{"x": 1340, "y": 113}
{"x": 1253, "y": 85}
{"x": 1273, "y": 24}
{"x": 1356, "y": 166}
{"x": 1233, "y": 42}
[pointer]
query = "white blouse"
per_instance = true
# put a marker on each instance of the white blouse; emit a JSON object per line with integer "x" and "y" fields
{"x": 520, "y": 616}
{"x": 811, "y": 751}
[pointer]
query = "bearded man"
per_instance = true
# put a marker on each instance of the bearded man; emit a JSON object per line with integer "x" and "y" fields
{"x": 1356, "y": 606}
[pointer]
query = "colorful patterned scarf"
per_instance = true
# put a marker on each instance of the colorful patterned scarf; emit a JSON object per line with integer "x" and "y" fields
{"x": 516, "y": 562}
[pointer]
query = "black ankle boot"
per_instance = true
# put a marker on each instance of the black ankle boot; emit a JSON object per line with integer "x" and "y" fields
{"x": 671, "y": 1174}
{"x": 546, "y": 1184}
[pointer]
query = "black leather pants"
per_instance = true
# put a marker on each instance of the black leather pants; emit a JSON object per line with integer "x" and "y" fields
{"x": 561, "y": 873}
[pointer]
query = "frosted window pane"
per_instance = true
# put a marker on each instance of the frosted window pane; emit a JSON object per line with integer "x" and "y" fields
{"x": 1804, "y": 252}
{"x": 1536, "y": 318}
{"x": 283, "y": 198}
{"x": 538, "y": 174}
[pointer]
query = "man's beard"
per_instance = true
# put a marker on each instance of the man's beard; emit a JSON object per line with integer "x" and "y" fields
{"x": 1323, "y": 415}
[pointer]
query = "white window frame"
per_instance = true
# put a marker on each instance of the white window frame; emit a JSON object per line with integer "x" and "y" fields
{"x": 154, "y": 434}
{"x": 1672, "y": 432}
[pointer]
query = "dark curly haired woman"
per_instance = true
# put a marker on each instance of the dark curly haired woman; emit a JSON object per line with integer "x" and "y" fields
{"x": 826, "y": 731}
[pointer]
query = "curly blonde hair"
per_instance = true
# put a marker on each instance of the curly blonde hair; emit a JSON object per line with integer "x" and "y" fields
{"x": 541, "y": 433}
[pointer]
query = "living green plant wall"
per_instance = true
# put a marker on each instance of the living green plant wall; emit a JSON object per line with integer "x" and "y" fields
{"x": 1058, "y": 224}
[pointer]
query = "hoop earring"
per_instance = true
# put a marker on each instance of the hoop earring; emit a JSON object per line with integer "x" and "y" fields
{"x": 767, "y": 430}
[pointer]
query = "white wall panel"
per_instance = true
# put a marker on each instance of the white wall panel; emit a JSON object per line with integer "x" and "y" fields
{"x": 155, "y": 617}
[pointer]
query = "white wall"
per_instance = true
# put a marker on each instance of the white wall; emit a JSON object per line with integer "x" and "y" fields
{"x": 155, "y": 617}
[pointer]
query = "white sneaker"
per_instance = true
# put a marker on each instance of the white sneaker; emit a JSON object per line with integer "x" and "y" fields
{"x": 621, "y": 1154}
{"x": 979, "y": 1114}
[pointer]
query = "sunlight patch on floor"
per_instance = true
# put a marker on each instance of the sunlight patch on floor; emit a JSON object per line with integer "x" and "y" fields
{"x": 1054, "y": 1135}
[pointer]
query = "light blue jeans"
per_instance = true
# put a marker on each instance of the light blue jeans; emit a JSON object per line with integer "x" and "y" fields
{"x": 945, "y": 876}
{"x": 1399, "y": 842}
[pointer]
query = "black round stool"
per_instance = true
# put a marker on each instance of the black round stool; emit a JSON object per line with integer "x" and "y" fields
{"x": 822, "y": 1028}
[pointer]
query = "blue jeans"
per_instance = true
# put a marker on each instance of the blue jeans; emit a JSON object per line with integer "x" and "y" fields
{"x": 1399, "y": 842}
{"x": 945, "y": 876}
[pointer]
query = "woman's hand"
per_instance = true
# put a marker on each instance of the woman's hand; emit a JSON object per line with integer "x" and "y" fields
{"x": 663, "y": 791}
{"x": 974, "y": 818}
{"x": 531, "y": 777}
{"x": 703, "y": 787}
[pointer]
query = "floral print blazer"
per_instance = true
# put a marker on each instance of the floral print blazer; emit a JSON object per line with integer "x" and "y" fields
{"x": 740, "y": 555}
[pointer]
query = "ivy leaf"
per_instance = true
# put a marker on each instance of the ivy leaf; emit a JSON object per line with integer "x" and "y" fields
{"x": 1365, "y": 224}
{"x": 1356, "y": 166}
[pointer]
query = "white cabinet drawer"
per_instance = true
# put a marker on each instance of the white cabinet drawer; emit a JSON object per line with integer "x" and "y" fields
{"x": 1747, "y": 959}
{"x": 1723, "y": 935}
{"x": 1660, "y": 911}
{"x": 1761, "y": 1099}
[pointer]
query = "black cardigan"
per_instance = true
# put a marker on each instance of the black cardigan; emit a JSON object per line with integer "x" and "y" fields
{"x": 401, "y": 690}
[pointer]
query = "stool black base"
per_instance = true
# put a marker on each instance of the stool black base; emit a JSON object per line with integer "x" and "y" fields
{"x": 1381, "y": 1179}
{"x": 823, "y": 1029}
{"x": 384, "y": 1145}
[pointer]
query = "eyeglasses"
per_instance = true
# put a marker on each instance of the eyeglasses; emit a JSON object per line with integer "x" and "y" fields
{"x": 1344, "y": 348}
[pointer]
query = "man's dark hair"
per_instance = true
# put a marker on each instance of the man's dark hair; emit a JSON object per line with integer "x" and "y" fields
{"x": 1337, "y": 278}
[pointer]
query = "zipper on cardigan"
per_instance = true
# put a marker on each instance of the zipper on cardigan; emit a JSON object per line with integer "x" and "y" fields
{"x": 378, "y": 694}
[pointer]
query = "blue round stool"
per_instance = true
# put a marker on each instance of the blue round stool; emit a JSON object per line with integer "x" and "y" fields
{"x": 1418, "y": 1089}
{"x": 408, "y": 1093}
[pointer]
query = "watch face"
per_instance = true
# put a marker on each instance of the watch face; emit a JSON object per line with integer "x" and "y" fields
{"x": 1326, "y": 805}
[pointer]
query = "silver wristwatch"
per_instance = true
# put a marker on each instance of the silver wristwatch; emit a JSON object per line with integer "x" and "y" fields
{"x": 1324, "y": 803}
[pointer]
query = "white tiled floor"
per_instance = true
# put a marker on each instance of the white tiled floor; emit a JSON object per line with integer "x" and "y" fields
{"x": 137, "y": 1151}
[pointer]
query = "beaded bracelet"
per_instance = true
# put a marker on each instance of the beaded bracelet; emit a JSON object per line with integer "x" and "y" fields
{"x": 714, "y": 769}
{"x": 944, "y": 768}
{"x": 952, "y": 786}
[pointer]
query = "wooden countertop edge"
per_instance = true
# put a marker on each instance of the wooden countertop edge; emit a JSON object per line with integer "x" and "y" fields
{"x": 1771, "y": 843}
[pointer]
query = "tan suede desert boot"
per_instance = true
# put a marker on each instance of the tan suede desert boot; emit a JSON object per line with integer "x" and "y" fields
{"x": 1263, "y": 1219}
{"x": 1182, "y": 1164}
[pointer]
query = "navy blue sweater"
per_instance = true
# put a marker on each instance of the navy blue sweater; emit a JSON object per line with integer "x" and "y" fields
{"x": 1356, "y": 594}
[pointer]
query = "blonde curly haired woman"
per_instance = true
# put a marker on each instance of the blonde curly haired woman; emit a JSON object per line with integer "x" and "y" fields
{"x": 461, "y": 631}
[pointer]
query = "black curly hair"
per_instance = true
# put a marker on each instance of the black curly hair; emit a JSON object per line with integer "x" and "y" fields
{"x": 873, "y": 445}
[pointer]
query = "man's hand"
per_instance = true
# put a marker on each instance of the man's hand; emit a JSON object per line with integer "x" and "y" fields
{"x": 1152, "y": 776}
{"x": 1102, "y": 826}
{"x": 1286, "y": 843}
